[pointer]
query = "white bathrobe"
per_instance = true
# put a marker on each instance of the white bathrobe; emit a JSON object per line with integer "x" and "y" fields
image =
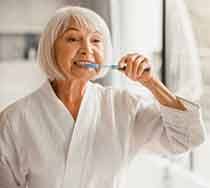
{"x": 41, "y": 146}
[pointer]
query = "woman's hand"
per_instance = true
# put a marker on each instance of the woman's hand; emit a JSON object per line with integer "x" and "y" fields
{"x": 137, "y": 67}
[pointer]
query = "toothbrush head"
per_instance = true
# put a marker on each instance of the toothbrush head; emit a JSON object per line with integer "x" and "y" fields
{"x": 91, "y": 65}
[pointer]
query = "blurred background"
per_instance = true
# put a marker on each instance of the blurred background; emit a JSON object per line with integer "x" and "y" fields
{"x": 173, "y": 34}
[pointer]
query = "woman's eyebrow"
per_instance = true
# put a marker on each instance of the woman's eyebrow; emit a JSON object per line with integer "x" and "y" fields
{"x": 97, "y": 32}
{"x": 77, "y": 29}
{"x": 72, "y": 28}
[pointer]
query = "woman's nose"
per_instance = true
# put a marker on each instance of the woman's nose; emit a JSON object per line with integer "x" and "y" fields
{"x": 86, "y": 48}
{"x": 85, "y": 52}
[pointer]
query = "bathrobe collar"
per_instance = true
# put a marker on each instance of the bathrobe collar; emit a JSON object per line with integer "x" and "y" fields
{"x": 83, "y": 129}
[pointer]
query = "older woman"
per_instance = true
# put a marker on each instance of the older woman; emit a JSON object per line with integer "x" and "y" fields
{"x": 74, "y": 133}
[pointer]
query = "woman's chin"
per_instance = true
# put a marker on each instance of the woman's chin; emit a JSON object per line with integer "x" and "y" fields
{"x": 82, "y": 74}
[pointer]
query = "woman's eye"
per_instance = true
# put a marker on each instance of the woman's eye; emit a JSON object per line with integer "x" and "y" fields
{"x": 96, "y": 40}
{"x": 71, "y": 39}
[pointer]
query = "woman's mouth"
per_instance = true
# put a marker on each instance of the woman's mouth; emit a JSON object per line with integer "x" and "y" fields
{"x": 83, "y": 63}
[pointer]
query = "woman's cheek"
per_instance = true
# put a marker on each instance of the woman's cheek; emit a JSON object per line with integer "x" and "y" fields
{"x": 99, "y": 57}
{"x": 69, "y": 60}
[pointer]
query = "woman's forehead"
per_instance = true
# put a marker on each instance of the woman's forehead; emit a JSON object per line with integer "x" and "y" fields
{"x": 80, "y": 22}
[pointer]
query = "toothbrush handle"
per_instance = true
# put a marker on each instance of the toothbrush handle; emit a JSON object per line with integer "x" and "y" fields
{"x": 123, "y": 68}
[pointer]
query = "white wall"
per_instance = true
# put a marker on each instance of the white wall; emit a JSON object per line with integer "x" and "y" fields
{"x": 26, "y": 15}
{"x": 18, "y": 80}
{"x": 141, "y": 25}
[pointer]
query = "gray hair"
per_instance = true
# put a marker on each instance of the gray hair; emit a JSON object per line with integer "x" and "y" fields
{"x": 57, "y": 25}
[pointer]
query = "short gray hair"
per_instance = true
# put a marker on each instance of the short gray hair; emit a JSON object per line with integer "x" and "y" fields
{"x": 58, "y": 24}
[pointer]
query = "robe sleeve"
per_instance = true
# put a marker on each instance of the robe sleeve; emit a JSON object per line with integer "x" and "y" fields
{"x": 164, "y": 130}
{"x": 12, "y": 173}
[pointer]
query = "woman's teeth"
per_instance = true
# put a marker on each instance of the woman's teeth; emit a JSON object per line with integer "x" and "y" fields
{"x": 83, "y": 62}
{"x": 86, "y": 64}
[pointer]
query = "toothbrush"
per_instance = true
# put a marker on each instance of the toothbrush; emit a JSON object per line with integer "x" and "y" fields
{"x": 99, "y": 66}
{"x": 94, "y": 65}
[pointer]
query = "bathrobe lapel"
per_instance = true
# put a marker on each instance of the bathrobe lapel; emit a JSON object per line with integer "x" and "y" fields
{"x": 82, "y": 139}
{"x": 61, "y": 117}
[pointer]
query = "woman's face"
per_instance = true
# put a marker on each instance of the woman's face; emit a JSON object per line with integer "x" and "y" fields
{"x": 79, "y": 44}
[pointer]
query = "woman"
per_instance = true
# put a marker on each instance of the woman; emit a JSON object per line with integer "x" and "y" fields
{"x": 74, "y": 133}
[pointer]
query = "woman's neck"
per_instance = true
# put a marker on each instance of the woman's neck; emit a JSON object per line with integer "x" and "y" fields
{"x": 70, "y": 92}
{"x": 69, "y": 89}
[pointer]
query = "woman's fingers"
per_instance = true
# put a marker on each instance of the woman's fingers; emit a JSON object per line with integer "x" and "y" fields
{"x": 122, "y": 64}
{"x": 141, "y": 69}
{"x": 137, "y": 66}
{"x": 127, "y": 63}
